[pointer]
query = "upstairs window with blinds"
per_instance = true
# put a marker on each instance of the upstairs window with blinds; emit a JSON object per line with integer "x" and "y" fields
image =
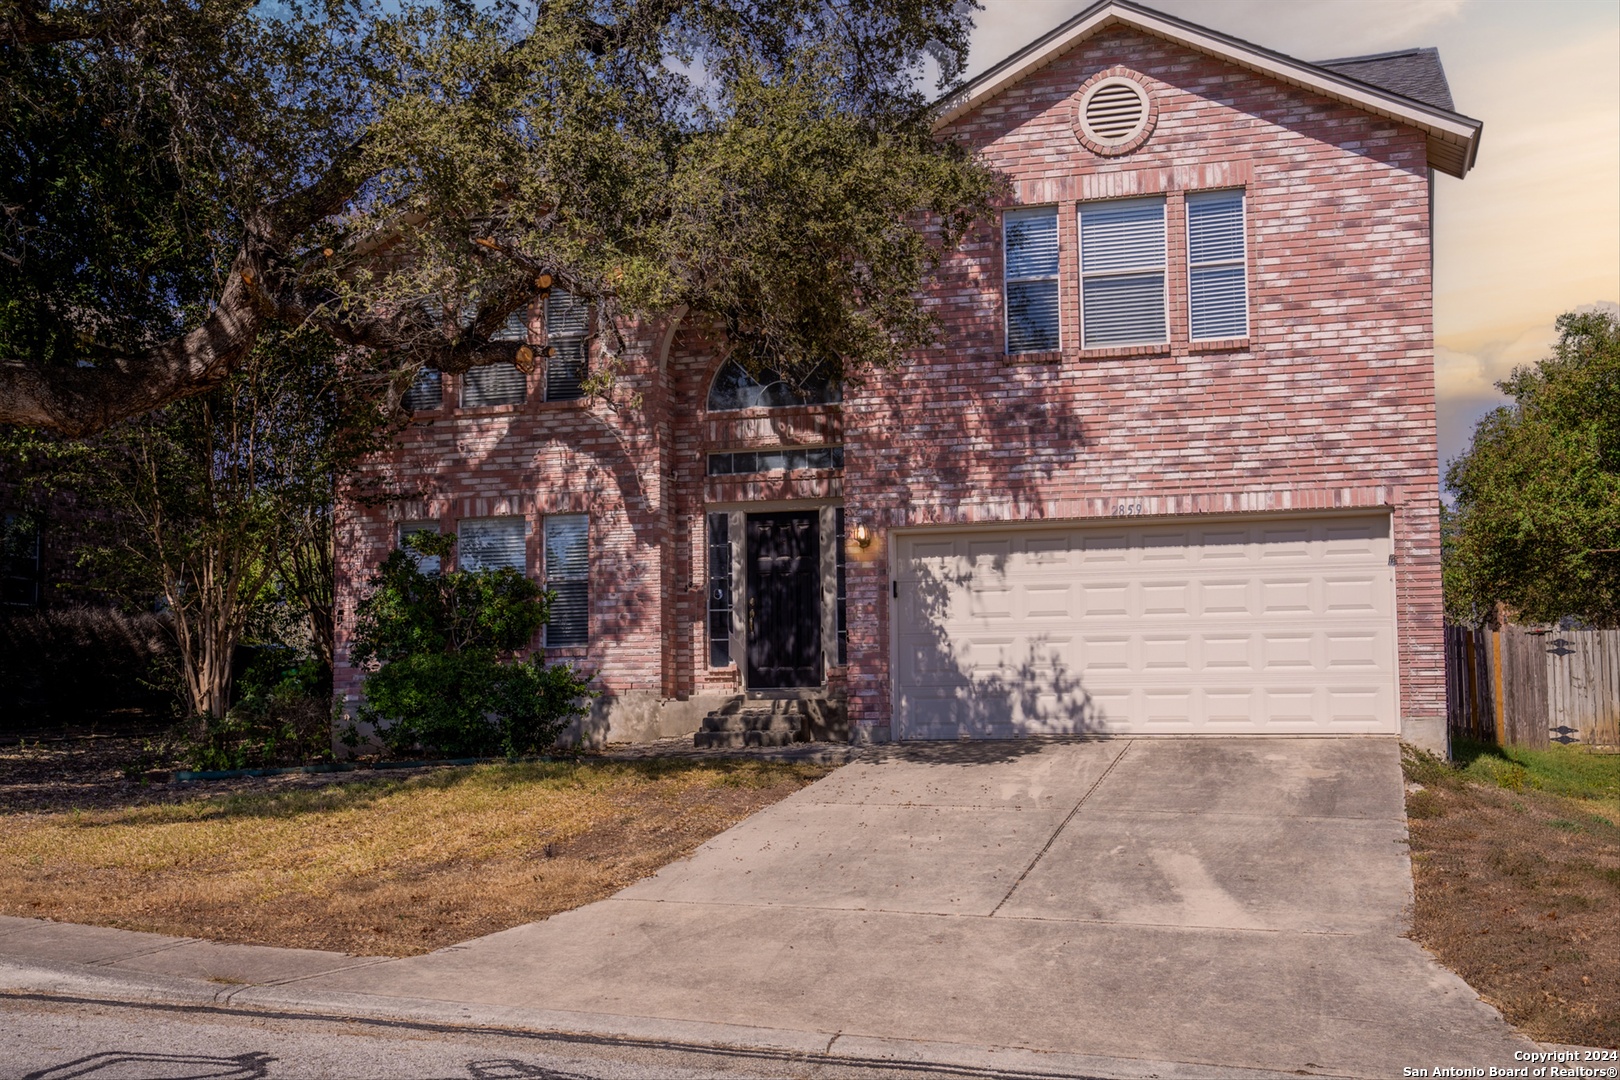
{"x": 1216, "y": 271}
{"x": 568, "y": 322}
{"x": 1030, "y": 239}
{"x": 426, "y": 392}
{"x": 1122, "y": 258}
{"x": 568, "y": 543}
{"x": 494, "y": 384}
{"x": 493, "y": 543}
{"x": 516, "y": 327}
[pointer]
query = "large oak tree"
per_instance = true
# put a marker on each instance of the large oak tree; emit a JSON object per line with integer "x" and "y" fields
{"x": 179, "y": 175}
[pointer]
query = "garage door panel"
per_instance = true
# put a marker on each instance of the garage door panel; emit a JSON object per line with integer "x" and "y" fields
{"x": 1168, "y": 653}
{"x": 1103, "y": 548}
{"x": 1224, "y": 545}
{"x": 1353, "y": 649}
{"x": 1225, "y": 597}
{"x": 1105, "y": 598}
{"x": 1173, "y": 598}
{"x": 1361, "y": 593}
{"x": 1221, "y": 625}
{"x": 1284, "y": 596}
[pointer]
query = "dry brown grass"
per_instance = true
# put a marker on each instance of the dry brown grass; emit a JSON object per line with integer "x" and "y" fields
{"x": 1518, "y": 891}
{"x": 381, "y": 867}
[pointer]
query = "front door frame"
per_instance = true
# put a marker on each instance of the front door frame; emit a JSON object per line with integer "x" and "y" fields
{"x": 737, "y": 529}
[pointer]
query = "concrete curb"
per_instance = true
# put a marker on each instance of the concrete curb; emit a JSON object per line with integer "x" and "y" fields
{"x": 92, "y": 984}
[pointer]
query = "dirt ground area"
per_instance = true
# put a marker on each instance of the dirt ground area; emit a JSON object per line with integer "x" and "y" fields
{"x": 375, "y": 864}
{"x": 1518, "y": 892}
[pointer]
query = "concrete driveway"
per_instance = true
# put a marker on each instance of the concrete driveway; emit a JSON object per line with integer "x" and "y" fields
{"x": 1143, "y": 907}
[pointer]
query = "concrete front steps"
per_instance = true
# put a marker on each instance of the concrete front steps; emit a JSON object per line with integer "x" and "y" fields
{"x": 760, "y": 721}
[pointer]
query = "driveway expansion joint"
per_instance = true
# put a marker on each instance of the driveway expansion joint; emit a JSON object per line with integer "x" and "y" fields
{"x": 1050, "y": 840}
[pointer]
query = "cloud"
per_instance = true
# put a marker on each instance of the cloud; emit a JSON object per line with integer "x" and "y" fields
{"x": 1314, "y": 30}
{"x": 1466, "y": 373}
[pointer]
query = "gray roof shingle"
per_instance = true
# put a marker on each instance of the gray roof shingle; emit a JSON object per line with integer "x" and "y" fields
{"x": 1411, "y": 73}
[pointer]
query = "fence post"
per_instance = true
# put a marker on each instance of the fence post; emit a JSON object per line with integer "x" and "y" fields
{"x": 1494, "y": 663}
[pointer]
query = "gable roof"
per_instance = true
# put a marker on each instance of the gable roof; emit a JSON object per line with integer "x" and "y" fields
{"x": 1407, "y": 86}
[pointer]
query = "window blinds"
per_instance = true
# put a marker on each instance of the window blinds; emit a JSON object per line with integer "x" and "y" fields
{"x": 426, "y": 392}
{"x": 1030, "y": 240}
{"x": 493, "y": 384}
{"x": 1122, "y": 257}
{"x": 491, "y": 544}
{"x": 567, "y": 325}
{"x": 567, "y": 576}
{"x": 428, "y": 564}
{"x": 1217, "y": 275}
{"x": 516, "y": 327}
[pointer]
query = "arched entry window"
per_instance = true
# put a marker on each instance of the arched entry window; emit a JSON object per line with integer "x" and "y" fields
{"x": 734, "y": 388}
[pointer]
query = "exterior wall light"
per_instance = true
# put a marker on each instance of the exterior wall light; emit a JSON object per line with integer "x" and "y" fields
{"x": 863, "y": 535}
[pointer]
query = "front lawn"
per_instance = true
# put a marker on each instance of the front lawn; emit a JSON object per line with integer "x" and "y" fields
{"x": 383, "y": 867}
{"x": 1516, "y": 860}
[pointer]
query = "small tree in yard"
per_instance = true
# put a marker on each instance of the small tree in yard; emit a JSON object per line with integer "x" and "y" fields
{"x": 1537, "y": 525}
{"x": 442, "y": 649}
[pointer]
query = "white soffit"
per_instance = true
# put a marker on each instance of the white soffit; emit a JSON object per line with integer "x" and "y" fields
{"x": 1453, "y": 138}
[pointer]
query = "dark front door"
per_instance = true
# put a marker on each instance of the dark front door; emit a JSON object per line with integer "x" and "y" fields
{"x": 784, "y": 600}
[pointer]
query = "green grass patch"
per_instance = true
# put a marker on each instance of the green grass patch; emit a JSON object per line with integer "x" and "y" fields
{"x": 1574, "y": 772}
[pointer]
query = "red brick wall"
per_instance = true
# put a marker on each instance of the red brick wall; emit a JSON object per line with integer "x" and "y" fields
{"x": 1328, "y": 403}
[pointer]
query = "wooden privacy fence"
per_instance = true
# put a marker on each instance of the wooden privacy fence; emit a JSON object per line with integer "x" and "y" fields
{"x": 1531, "y": 688}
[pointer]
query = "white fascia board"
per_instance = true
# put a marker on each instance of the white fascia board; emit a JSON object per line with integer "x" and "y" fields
{"x": 1437, "y": 123}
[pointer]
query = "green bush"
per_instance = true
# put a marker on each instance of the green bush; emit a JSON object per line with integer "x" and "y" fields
{"x": 282, "y": 716}
{"x": 442, "y": 651}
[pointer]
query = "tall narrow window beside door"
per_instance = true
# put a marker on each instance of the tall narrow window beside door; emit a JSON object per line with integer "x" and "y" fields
{"x": 567, "y": 576}
{"x": 1030, "y": 240}
{"x": 719, "y": 590}
{"x": 1216, "y": 274}
{"x": 843, "y": 591}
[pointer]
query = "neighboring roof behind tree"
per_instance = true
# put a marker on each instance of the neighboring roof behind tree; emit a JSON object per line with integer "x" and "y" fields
{"x": 1411, "y": 73}
{"x": 1407, "y": 86}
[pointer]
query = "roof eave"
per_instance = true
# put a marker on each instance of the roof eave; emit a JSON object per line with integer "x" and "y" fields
{"x": 1440, "y": 126}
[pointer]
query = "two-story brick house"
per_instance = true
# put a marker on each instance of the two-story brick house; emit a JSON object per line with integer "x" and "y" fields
{"x": 1171, "y": 469}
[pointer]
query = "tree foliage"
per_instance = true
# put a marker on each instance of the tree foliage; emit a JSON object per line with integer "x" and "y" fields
{"x": 442, "y": 649}
{"x": 218, "y": 507}
{"x": 178, "y": 175}
{"x": 1537, "y": 524}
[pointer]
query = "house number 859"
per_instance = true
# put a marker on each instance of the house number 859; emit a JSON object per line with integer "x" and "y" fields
{"x": 1127, "y": 509}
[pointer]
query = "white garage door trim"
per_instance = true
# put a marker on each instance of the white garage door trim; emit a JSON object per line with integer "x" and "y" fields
{"x": 1277, "y": 624}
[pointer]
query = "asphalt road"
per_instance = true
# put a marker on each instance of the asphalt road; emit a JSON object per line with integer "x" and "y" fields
{"x": 53, "y": 1038}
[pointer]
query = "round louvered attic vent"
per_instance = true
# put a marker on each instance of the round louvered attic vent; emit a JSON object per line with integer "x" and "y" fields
{"x": 1114, "y": 115}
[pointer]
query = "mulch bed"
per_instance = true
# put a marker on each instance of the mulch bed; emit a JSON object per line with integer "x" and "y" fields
{"x": 1519, "y": 893}
{"x": 108, "y": 772}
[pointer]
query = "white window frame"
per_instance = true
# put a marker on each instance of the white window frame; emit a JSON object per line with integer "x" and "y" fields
{"x": 556, "y": 340}
{"x": 1007, "y": 281}
{"x": 422, "y": 561}
{"x": 1162, "y": 269}
{"x": 461, "y": 541}
{"x": 551, "y": 580}
{"x": 1242, "y": 261}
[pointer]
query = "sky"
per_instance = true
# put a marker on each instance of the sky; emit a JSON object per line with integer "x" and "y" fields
{"x": 1534, "y": 230}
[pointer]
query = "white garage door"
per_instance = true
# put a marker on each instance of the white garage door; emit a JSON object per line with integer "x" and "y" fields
{"x": 1219, "y": 625}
